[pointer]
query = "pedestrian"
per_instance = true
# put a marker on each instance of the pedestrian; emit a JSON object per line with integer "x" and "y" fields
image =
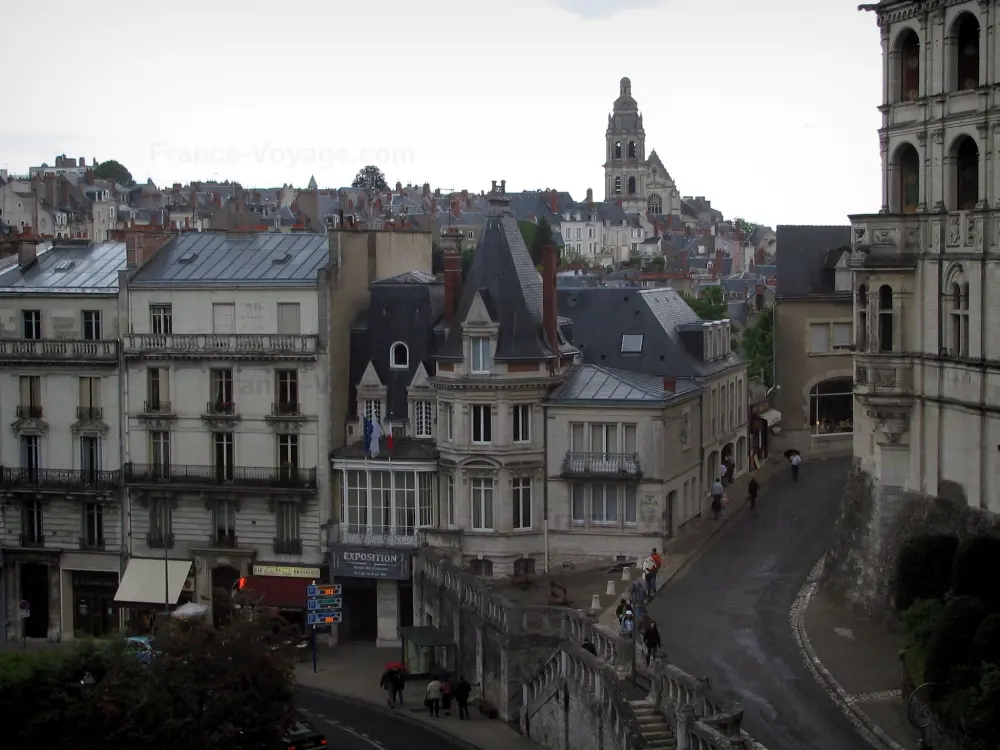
{"x": 648, "y": 573}
{"x": 628, "y": 623}
{"x": 433, "y": 697}
{"x": 392, "y": 682}
{"x": 657, "y": 564}
{"x": 589, "y": 648}
{"x": 620, "y": 610}
{"x": 752, "y": 489}
{"x": 446, "y": 697}
{"x": 462, "y": 690}
{"x": 723, "y": 469}
{"x": 717, "y": 493}
{"x": 637, "y": 591}
{"x": 795, "y": 461}
{"x": 652, "y": 640}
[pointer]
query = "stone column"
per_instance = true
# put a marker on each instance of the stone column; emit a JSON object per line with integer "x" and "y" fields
{"x": 54, "y": 602}
{"x": 387, "y": 604}
{"x": 685, "y": 720}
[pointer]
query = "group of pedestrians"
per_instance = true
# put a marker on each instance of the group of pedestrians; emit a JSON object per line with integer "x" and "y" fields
{"x": 441, "y": 691}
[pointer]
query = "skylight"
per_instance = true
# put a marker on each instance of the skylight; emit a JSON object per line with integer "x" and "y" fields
{"x": 632, "y": 343}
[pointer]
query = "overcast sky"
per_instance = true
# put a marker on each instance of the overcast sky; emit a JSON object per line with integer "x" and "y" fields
{"x": 767, "y": 108}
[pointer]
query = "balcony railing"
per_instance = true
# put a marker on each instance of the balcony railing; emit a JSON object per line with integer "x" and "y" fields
{"x": 886, "y": 241}
{"x": 159, "y": 541}
{"x": 90, "y": 543}
{"x": 220, "y": 408}
{"x": 32, "y": 540}
{"x": 229, "y": 476}
{"x": 29, "y": 411}
{"x": 285, "y": 409}
{"x": 288, "y": 546}
{"x": 223, "y": 540}
{"x": 61, "y": 479}
{"x": 67, "y": 350}
{"x": 602, "y": 466}
{"x": 883, "y": 376}
{"x": 377, "y": 536}
{"x": 210, "y": 344}
{"x": 90, "y": 413}
{"x": 157, "y": 407}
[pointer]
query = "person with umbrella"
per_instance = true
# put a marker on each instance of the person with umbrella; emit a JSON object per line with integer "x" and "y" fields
{"x": 393, "y": 681}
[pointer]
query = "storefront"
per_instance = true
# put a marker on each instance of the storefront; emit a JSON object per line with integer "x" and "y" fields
{"x": 764, "y": 421}
{"x": 282, "y": 587}
{"x": 151, "y": 586}
{"x": 377, "y": 591}
{"x": 93, "y": 601}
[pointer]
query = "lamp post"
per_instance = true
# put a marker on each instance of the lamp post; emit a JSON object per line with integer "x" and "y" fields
{"x": 919, "y": 713}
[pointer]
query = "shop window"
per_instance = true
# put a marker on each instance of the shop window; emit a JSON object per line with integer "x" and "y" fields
{"x": 831, "y": 407}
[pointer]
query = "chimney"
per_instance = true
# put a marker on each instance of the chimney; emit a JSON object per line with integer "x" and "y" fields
{"x": 590, "y": 197}
{"x": 549, "y": 312}
{"x": 656, "y": 228}
{"x": 88, "y": 177}
{"x": 427, "y": 190}
{"x": 670, "y": 385}
{"x": 399, "y": 187}
{"x": 553, "y": 201}
{"x": 456, "y": 208}
{"x": 465, "y": 198}
{"x": 141, "y": 244}
{"x": 758, "y": 257}
{"x": 452, "y": 241}
{"x": 83, "y": 162}
{"x": 51, "y": 190}
{"x": 27, "y": 254}
{"x": 718, "y": 262}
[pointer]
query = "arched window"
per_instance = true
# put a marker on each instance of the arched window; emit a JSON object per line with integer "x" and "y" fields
{"x": 861, "y": 302}
{"x": 655, "y": 204}
{"x": 633, "y": 152}
{"x": 618, "y": 149}
{"x": 965, "y": 157}
{"x": 399, "y": 356}
{"x": 831, "y": 406}
{"x": 885, "y": 318}
{"x": 965, "y": 52}
{"x": 908, "y": 52}
{"x": 958, "y": 309}
{"x": 631, "y": 185}
{"x": 908, "y": 177}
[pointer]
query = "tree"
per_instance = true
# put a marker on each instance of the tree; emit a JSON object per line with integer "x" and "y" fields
{"x": 536, "y": 236}
{"x": 709, "y": 305}
{"x": 658, "y": 263}
{"x": 371, "y": 179}
{"x": 747, "y": 228}
{"x": 758, "y": 347}
{"x": 204, "y": 687}
{"x": 112, "y": 170}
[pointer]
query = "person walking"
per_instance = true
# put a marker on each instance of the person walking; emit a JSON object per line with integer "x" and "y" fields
{"x": 462, "y": 690}
{"x": 717, "y": 493}
{"x": 392, "y": 682}
{"x": 652, "y": 640}
{"x": 649, "y": 574}
{"x": 657, "y": 564}
{"x": 752, "y": 489}
{"x": 433, "y": 697}
{"x": 446, "y": 697}
{"x": 628, "y": 623}
{"x": 795, "y": 461}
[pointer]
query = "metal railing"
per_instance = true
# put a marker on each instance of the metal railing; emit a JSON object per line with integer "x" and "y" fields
{"x": 246, "y": 476}
{"x": 157, "y": 407}
{"x": 223, "y": 540}
{"x": 285, "y": 409}
{"x": 377, "y": 536}
{"x": 220, "y": 407}
{"x": 288, "y": 546}
{"x": 159, "y": 541}
{"x": 68, "y": 479}
{"x": 90, "y": 413}
{"x": 208, "y": 343}
{"x": 32, "y": 540}
{"x": 29, "y": 411}
{"x": 91, "y": 543}
{"x": 602, "y": 465}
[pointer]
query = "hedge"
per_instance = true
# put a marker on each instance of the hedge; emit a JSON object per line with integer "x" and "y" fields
{"x": 974, "y": 572}
{"x": 986, "y": 642}
{"x": 924, "y": 569}
{"x": 949, "y": 652}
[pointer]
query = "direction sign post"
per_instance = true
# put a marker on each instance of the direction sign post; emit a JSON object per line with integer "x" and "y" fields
{"x": 323, "y": 607}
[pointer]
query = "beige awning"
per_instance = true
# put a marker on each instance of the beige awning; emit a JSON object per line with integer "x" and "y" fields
{"x": 771, "y": 416}
{"x": 152, "y": 581}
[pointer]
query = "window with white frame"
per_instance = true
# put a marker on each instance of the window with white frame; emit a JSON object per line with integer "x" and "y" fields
{"x": 286, "y": 520}
{"x": 425, "y": 498}
{"x": 423, "y": 419}
{"x": 831, "y": 336}
{"x": 381, "y": 502}
{"x": 521, "y": 432}
{"x": 630, "y": 503}
{"x": 482, "y": 423}
{"x": 161, "y": 320}
{"x": 406, "y": 502}
{"x": 224, "y": 520}
{"x": 521, "y": 502}
{"x": 399, "y": 356}
{"x": 603, "y": 503}
{"x": 481, "y": 355}
{"x": 356, "y": 501}
{"x": 482, "y": 503}
{"x": 91, "y": 325}
{"x": 578, "y": 504}
{"x": 373, "y": 410}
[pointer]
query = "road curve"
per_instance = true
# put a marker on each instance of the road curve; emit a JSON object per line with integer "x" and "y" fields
{"x": 726, "y": 617}
{"x": 351, "y": 725}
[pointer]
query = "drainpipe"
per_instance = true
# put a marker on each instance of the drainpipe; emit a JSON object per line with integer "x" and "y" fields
{"x": 545, "y": 487}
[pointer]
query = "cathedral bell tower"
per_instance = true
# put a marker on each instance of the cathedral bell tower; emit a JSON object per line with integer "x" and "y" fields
{"x": 625, "y": 165}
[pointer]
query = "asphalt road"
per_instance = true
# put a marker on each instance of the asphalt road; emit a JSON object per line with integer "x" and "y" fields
{"x": 726, "y": 617}
{"x": 351, "y": 725}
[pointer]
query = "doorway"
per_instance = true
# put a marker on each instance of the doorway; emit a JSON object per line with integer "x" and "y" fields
{"x": 360, "y": 609}
{"x": 35, "y": 591}
{"x": 405, "y": 604}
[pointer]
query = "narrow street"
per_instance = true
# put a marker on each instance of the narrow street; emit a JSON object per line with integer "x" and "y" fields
{"x": 726, "y": 618}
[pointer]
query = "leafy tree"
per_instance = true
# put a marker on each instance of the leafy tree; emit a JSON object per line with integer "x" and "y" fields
{"x": 112, "y": 170}
{"x": 371, "y": 179}
{"x": 205, "y": 687}
{"x": 537, "y": 236}
{"x": 758, "y": 347}
{"x": 658, "y": 263}
{"x": 746, "y": 227}
{"x": 709, "y": 305}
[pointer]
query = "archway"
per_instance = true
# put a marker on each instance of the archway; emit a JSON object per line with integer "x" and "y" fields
{"x": 965, "y": 49}
{"x": 965, "y": 160}
{"x": 831, "y": 406}
{"x": 906, "y": 162}
{"x": 908, "y": 54}
{"x": 224, "y": 580}
{"x": 729, "y": 460}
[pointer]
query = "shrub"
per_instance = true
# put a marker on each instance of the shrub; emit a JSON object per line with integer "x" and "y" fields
{"x": 950, "y": 646}
{"x": 986, "y": 642}
{"x": 924, "y": 569}
{"x": 919, "y": 622}
{"x": 977, "y": 561}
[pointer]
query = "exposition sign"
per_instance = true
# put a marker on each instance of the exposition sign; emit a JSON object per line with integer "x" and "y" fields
{"x": 369, "y": 562}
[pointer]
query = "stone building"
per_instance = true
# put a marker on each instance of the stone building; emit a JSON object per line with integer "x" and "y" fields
{"x": 926, "y": 423}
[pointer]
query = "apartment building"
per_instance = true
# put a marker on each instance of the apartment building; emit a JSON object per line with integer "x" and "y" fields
{"x": 225, "y": 388}
{"x": 61, "y": 512}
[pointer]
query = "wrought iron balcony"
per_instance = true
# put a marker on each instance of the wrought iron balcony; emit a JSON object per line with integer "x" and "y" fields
{"x": 223, "y": 540}
{"x": 285, "y": 409}
{"x": 220, "y": 408}
{"x": 159, "y": 541}
{"x": 376, "y": 536}
{"x": 90, "y": 413}
{"x": 231, "y": 346}
{"x": 157, "y": 406}
{"x": 58, "y": 350}
{"x": 91, "y": 543}
{"x": 79, "y": 480}
{"x": 288, "y": 546}
{"x": 287, "y": 477}
{"x": 32, "y": 540}
{"x": 29, "y": 411}
{"x": 601, "y": 466}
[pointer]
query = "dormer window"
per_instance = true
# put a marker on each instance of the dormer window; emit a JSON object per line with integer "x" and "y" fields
{"x": 481, "y": 355}
{"x": 399, "y": 356}
{"x": 632, "y": 343}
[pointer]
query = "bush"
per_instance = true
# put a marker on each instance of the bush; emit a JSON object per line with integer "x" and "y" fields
{"x": 950, "y": 648}
{"x": 986, "y": 642}
{"x": 977, "y": 561}
{"x": 919, "y": 622}
{"x": 924, "y": 569}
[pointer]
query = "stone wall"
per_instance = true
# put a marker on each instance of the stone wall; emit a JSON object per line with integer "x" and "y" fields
{"x": 874, "y": 522}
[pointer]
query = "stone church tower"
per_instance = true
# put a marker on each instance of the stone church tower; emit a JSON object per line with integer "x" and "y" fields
{"x": 625, "y": 165}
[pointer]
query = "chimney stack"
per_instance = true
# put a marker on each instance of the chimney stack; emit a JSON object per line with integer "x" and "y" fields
{"x": 554, "y": 201}
{"x": 670, "y": 385}
{"x": 465, "y": 198}
{"x": 590, "y": 197}
{"x": 549, "y": 310}
{"x": 27, "y": 253}
{"x": 758, "y": 256}
{"x": 452, "y": 241}
{"x": 456, "y": 208}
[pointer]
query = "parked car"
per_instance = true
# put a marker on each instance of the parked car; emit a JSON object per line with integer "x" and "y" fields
{"x": 141, "y": 646}
{"x": 303, "y": 736}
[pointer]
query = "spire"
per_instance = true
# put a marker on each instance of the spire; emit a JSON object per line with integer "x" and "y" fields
{"x": 312, "y": 182}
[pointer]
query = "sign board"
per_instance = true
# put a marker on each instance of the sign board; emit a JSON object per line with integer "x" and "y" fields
{"x": 286, "y": 571}
{"x": 323, "y": 618}
{"x": 330, "y": 602}
{"x": 369, "y": 562}
{"x": 328, "y": 590}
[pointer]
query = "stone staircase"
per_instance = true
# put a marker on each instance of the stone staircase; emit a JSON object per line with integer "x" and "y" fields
{"x": 652, "y": 726}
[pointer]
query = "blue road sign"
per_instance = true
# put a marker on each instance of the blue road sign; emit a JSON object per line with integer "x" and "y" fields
{"x": 332, "y": 602}
{"x": 329, "y": 590}
{"x": 323, "y": 618}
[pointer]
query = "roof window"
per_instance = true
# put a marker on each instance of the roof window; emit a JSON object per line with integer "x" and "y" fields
{"x": 632, "y": 343}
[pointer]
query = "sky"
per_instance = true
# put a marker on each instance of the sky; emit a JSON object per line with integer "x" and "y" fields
{"x": 766, "y": 108}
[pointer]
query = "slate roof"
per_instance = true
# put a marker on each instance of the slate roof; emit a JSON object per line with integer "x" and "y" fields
{"x": 71, "y": 268}
{"x": 802, "y": 257}
{"x": 609, "y": 386}
{"x": 208, "y": 258}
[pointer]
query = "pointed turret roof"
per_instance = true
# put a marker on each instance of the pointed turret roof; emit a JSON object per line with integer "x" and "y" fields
{"x": 312, "y": 182}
